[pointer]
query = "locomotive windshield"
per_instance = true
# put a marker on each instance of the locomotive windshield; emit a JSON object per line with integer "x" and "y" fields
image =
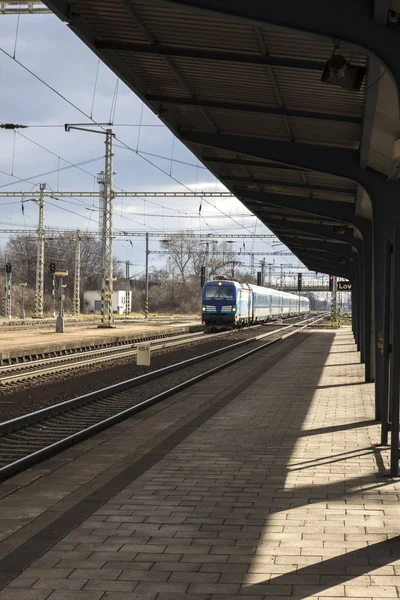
{"x": 219, "y": 292}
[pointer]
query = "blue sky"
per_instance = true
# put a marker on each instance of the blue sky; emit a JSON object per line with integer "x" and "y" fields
{"x": 47, "y": 47}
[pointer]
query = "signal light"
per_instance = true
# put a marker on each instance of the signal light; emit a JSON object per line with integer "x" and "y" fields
{"x": 259, "y": 278}
{"x": 8, "y": 267}
{"x": 299, "y": 282}
{"x": 331, "y": 283}
{"x": 52, "y": 267}
{"x": 202, "y": 276}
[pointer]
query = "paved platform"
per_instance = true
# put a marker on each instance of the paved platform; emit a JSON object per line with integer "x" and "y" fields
{"x": 264, "y": 483}
{"x": 27, "y": 343}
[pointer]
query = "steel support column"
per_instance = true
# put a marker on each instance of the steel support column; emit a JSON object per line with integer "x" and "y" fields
{"x": 382, "y": 234}
{"x": 384, "y": 349}
{"x": 395, "y": 362}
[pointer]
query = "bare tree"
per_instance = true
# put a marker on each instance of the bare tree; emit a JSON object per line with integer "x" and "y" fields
{"x": 21, "y": 251}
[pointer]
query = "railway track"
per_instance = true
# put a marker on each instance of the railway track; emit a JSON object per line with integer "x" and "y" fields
{"x": 46, "y": 366}
{"x": 40, "y": 367}
{"x": 50, "y": 323}
{"x": 30, "y": 438}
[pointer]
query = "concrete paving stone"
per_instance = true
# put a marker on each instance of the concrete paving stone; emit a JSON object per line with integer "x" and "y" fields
{"x": 129, "y": 596}
{"x": 371, "y": 591}
{"x": 139, "y": 575}
{"x": 23, "y": 581}
{"x": 175, "y": 596}
{"x": 75, "y": 595}
{"x": 59, "y": 584}
{"x": 159, "y": 587}
{"x": 18, "y": 594}
{"x": 110, "y": 586}
{"x": 107, "y": 574}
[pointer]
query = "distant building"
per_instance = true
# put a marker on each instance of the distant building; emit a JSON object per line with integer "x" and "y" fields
{"x": 92, "y": 302}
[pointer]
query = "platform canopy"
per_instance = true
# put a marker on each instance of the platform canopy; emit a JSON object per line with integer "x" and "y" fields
{"x": 240, "y": 83}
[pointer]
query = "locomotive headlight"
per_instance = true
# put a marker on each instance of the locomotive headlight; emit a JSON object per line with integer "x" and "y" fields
{"x": 204, "y": 308}
{"x": 233, "y": 308}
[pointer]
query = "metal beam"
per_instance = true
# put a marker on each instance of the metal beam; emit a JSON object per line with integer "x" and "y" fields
{"x": 279, "y": 182}
{"x": 321, "y": 231}
{"x": 119, "y": 194}
{"x": 331, "y": 18}
{"x": 341, "y": 162}
{"x": 325, "y": 266}
{"x": 164, "y": 235}
{"x": 255, "y": 108}
{"x": 205, "y": 54}
{"x": 247, "y": 163}
{"x": 316, "y": 246}
{"x": 342, "y": 211}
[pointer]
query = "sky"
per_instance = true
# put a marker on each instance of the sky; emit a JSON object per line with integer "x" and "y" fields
{"x": 44, "y": 152}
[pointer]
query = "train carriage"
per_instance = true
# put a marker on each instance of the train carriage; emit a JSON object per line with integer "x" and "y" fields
{"x": 230, "y": 304}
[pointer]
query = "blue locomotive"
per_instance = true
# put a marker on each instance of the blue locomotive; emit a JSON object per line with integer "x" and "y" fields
{"x": 229, "y": 304}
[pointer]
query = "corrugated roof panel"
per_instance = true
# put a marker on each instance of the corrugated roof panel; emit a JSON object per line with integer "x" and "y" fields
{"x": 290, "y": 176}
{"x": 110, "y": 20}
{"x": 227, "y": 81}
{"x": 289, "y": 191}
{"x": 153, "y": 70}
{"x": 249, "y": 123}
{"x": 189, "y": 116}
{"x": 175, "y": 25}
{"x": 287, "y": 42}
{"x": 335, "y": 196}
{"x": 326, "y": 132}
{"x": 304, "y": 89}
{"x": 324, "y": 179}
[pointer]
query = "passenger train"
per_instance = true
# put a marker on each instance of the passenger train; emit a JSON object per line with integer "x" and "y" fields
{"x": 230, "y": 304}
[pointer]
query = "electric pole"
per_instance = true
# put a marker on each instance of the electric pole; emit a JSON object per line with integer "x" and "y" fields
{"x": 107, "y": 193}
{"x": 146, "y": 300}
{"x": 77, "y": 276}
{"x": 263, "y": 272}
{"x": 40, "y": 256}
{"x": 128, "y": 290}
{"x": 107, "y": 318}
{"x": 7, "y": 289}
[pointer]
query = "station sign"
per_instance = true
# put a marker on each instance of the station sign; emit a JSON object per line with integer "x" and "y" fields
{"x": 344, "y": 286}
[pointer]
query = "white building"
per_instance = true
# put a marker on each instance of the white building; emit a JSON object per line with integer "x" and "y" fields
{"x": 92, "y": 302}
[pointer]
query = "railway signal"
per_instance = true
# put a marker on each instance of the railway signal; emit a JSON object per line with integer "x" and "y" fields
{"x": 331, "y": 283}
{"x": 259, "y": 278}
{"x": 52, "y": 267}
{"x": 202, "y": 276}
{"x": 299, "y": 282}
{"x": 8, "y": 267}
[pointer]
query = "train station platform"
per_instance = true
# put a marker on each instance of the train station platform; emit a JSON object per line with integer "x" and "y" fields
{"x": 33, "y": 343}
{"x": 265, "y": 481}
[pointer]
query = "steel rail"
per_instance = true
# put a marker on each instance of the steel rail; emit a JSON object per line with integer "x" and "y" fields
{"x": 65, "y": 407}
{"x": 89, "y": 357}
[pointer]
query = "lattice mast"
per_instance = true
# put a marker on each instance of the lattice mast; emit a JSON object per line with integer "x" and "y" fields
{"x": 77, "y": 275}
{"x": 40, "y": 255}
{"x": 107, "y": 318}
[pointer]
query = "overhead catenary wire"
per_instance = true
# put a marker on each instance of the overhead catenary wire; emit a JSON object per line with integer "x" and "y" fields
{"x": 62, "y": 96}
{"x": 95, "y": 88}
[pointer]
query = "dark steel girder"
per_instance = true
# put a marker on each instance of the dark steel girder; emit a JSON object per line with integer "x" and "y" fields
{"x": 248, "y": 163}
{"x": 205, "y": 54}
{"x": 324, "y": 265}
{"x": 254, "y": 108}
{"x": 342, "y": 211}
{"x": 322, "y": 231}
{"x": 337, "y": 19}
{"x": 279, "y": 182}
{"x": 316, "y": 246}
{"x": 341, "y": 162}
